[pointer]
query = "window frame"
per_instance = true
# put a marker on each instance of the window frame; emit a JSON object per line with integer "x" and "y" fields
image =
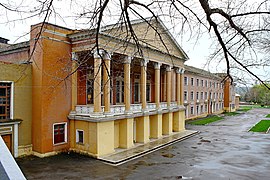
{"x": 11, "y": 105}
{"x": 78, "y": 138}
{"x": 65, "y": 133}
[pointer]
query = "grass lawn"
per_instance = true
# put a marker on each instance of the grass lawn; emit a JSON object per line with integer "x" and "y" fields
{"x": 268, "y": 115}
{"x": 230, "y": 113}
{"x": 205, "y": 121}
{"x": 245, "y": 108}
{"x": 261, "y": 126}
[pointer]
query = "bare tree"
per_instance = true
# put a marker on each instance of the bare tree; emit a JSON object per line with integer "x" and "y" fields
{"x": 236, "y": 27}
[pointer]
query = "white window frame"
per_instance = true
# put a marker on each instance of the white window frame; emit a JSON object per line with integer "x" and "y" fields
{"x": 77, "y": 136}
{"x": 121, "y": 84}
{"x": 65, "y": 123}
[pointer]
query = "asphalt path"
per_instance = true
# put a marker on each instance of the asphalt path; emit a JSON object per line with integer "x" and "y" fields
{"x": 223, "y": 150}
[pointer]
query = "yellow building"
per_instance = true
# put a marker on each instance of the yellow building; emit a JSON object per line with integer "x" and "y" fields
{"x": 124, "y": 95}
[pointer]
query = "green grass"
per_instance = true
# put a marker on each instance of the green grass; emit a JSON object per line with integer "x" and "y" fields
{"x": 245, "y": 108}
{"x": 230, "y": 113}
{"x": 261, "y": 126}
{"x": 268, "y": 116}
{"x": 205, "y": 121}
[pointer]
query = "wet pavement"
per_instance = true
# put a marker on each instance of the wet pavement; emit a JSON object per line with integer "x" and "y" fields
{"x": 223, "y": 150}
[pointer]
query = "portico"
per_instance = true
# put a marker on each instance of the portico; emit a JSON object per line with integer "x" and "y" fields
{"x": 123, "y": 98}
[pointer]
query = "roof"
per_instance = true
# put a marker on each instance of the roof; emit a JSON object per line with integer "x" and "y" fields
{"x": 201, "y": 72}
{"x": 91, "y": 32}
{"x": 14, "y": 47}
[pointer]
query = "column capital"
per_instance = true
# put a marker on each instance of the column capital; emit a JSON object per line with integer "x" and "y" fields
{"x": 182, "y": 70}
{"x": 127, "y": 60}
{"x": 107, "y": 55}
{"x": 168, "y": 68}
{"x": 157, "y": 65}
{"x": 144, "y": 62}
{"x": 178, "y": 70}
{"x": 98, "y": 53}
{"x": 74, "y": 56}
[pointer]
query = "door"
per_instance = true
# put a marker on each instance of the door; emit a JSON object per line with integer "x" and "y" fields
{"x": 8, "y": 140}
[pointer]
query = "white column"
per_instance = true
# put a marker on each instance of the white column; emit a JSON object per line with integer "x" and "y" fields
{"x": 15, "y": 139}
{"x": 143, "y": 83}
{"x": 127, "y": 89}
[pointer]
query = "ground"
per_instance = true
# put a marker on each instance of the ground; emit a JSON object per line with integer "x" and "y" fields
{"x": 223, "y": 150}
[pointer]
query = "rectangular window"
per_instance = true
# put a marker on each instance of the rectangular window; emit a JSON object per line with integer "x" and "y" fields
{"x": 206, "y": 83}
{"x": 185, "y": 81}
{"x": 5, "y": 97}
{"x": 201, "y": 108}
{"x": 191, "y": 95}
{"x": 136, "y": 92}
{"x": 210, "y": 84}
{"x": 197, "y": 95}
{"x": 205, "y": 108}
{"x": 192, "y": 81}
{"x": 202, "y": 83}
{"x": 191, "y": 110}
{"x": 201, "y": 95}
{"x": 79, "y": 136}
{"x": 205, "y": 95}
{"x": 197, "y": 82}
{"x": 185, "y": 95}
{"x": 148, "y": 92}
{"x": 59, "y": 133}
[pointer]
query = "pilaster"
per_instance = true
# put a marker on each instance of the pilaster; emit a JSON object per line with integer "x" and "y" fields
{"x": 157, "y": 84}
{"x": 127, "y": 89}
{"x": 143, "y": 83}
{"x": 106, "y": 82}
{"x": 169, "y": 85}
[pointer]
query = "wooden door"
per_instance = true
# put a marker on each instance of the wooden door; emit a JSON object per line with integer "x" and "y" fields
{"x": 8, "y": 140}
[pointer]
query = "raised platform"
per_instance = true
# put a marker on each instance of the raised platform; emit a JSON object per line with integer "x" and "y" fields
{"x": 121, "y": 156}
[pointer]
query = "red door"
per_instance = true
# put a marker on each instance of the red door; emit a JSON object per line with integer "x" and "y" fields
{"x": 8, "y": 140}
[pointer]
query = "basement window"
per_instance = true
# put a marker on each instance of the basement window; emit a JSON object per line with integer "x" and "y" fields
{"x": 79, "y": 136}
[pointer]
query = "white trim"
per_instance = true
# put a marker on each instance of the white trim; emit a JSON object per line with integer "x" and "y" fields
{"x": 65, "y": 123}
{"x": 77, "y": 136}
{"x": 15, "y": 139}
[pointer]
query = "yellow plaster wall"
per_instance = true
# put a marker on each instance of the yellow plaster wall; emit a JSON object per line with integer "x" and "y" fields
{"x": 167, "y": 120}
{"x": 21, "y": 75}
{"x": 155, "y": 126}
{"x": 142, "y": 129}
{"x": 126, "y": 133}
{"x": 116, "y": 134}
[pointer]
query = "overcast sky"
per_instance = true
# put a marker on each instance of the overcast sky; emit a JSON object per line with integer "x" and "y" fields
{"x": 198, "y": 49}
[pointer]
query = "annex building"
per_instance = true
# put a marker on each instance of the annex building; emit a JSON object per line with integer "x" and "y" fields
{"x": 58, "y": 92}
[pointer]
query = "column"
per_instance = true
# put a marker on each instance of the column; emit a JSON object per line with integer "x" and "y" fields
{"x": 156, "y": 120}
{"x": 157, "y": 84}
{"x": 97, "y": 81}
{"x": 106, "y": 82}
{"x": 169, "y": 85}
{"x": 15, "y": 139}
{"x": 74, "y": 82}
{"x": 143, "y": 83}
{"x": 178, "y": 86}
{"x": 127, "y": 89}
{"x": 181, "y": 86}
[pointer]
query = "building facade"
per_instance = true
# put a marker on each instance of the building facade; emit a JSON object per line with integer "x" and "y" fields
{"x": 94, "y": 100}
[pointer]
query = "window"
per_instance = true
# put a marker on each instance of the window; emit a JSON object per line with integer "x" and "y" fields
{"x": 79, "y": 136}
{"x": 210, "y": 95}
{"x": 185, "y": 81}
{"x": 185, "y": 95}
{"x": 214, "y": 84}
{"x": 205, "y": 83}
{"x": 5, "y": 96}
{"x": 202, "y": 83}
{"x": 136, "y": 91}
{"x": 120, "y": 90}
{"x": 197, "y": 82}
{"x": 197, "y": 109}
{"x": 148, "y": 91}
{"x": 197, "y": 95}
{"x": 201, "y": 108}
{"x": 192, "y": 81}
{"x": 201, "y": 95}
{"x": 205, "y": 95}
{"x": 191, "y": 95}
{"x": 59, "y": 133}
{"x": 210, "y": 85}
{"x": 191, "y": 110}
{"x": 205, "y": 108}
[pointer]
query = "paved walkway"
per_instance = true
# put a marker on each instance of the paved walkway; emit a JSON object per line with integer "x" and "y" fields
{"x": 223, "y": 150}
